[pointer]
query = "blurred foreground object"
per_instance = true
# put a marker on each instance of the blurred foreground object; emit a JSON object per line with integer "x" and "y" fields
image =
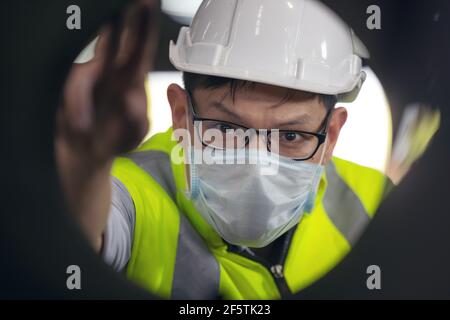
{"x": 39, "y": 242}
{"x": 417, "y": 128}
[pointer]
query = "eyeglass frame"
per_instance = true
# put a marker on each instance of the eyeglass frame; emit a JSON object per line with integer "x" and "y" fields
{"x": 321, "y": 135}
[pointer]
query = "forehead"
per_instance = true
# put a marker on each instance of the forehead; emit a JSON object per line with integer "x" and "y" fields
{"x": 257, "y": 95}
{"x": 252, "y": 91}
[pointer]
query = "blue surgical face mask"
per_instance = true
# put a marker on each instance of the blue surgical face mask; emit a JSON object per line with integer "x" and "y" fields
{"x": 254, "y": 203}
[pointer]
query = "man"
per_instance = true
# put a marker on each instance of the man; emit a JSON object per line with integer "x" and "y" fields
{"x": 272, "y": 70}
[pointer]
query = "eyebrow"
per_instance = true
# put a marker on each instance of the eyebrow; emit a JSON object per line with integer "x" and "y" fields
{"x": 222, "y": 108}
{"x": 302, "y": 120}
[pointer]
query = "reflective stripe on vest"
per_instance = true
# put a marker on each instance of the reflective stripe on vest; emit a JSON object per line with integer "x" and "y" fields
{"x": 343, "y": 206}
{"x": 197, "y": 272}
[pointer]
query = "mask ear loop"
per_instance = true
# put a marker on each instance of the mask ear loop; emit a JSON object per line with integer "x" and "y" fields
{"x": 315, "y": 180}
{"x": 192, "y": 182}
{"x": 191, "y": 191}
{"x": 324, "y": 151}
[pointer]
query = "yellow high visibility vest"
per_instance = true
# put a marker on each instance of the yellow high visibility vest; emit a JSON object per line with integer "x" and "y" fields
{"x": 177, "y": 254}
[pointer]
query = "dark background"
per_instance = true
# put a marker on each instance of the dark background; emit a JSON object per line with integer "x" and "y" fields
{"x": 409, "y": 238}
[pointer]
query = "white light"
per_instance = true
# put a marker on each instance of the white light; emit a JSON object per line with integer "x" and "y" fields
{"x": 365, "y": 139}
{"x": 160, "y": 113}
{"x": 88, "y": 53}
{"x": 181, "y": 11}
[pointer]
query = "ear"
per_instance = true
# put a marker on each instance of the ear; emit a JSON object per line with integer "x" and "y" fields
{"x": 337, "y": 121}
{"x": 178, "y": 103}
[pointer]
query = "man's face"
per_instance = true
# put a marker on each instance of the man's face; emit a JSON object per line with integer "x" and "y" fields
{"x": 258, "y": 106}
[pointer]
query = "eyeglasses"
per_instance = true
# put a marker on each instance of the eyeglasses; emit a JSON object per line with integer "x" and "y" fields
{"x": 296, "y": 145}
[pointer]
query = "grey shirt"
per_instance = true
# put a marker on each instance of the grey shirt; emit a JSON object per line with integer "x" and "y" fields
{"x": 118, "y": 235}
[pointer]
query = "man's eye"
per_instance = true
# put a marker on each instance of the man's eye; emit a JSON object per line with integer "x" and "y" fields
{"x": 291, "y": 137}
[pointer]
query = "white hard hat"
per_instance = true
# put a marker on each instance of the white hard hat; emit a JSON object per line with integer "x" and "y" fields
{"x": 298, "y": 44}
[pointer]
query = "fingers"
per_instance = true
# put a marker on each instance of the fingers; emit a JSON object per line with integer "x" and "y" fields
{"x": 142, "y": 32}
{"x": 139, "y": 41}
{"x": 126, "y": 46}
{"x": 108, "y": 45}
{"x": 76, "y": 105}
{"x": 103, "y": 111}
